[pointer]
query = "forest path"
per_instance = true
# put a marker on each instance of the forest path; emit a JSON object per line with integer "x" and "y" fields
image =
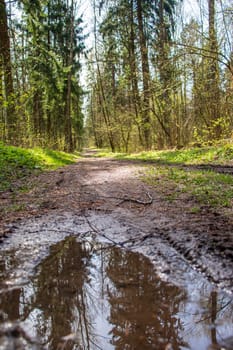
{"x": 108, "y": 192}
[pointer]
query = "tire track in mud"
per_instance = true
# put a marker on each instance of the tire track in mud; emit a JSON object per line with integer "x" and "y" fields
{"x": 199, "y": 256}
{"x": 176, "y": 255}
{"x": 214, "y": 264}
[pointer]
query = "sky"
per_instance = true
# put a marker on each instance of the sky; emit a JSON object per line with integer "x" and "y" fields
{"x": 190, "y": 8}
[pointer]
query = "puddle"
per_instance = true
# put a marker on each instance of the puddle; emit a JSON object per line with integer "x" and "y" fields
{"x": 93, "y": 296}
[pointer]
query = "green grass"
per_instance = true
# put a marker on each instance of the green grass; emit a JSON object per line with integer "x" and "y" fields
{"x": 205, "y": 187}
{"x": 17, "y": 163}
{"x": 212, "y": 155}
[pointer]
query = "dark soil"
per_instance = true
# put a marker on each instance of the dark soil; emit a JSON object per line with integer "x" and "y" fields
{"x": 112, "y": 187}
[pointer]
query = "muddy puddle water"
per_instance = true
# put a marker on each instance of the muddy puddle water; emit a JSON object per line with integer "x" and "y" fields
{"x": 92, "y": 296}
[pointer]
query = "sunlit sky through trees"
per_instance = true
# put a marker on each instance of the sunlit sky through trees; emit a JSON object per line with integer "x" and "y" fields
{"x": 189, "y": 8}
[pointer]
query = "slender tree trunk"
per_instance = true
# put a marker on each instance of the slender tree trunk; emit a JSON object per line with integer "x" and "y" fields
{"x": 7, "y": 72}
{"x": 37, "y": 114}
{"x": 103, "y": 102}
{"x": 133, "y": 73}
{"x": 47, "y": 111}
{"x": 1, "y": 82}
{"x": 164, "y": 77}
{"x": 145, "y": 77}
{"x": 93, "y": 120}
{"x": 5, "y": 49}
{"x": 68, "y": 122}
{"x": 105, "y": 110}
{"x": 213, "y": 74}
{"x": 2, "y": 108}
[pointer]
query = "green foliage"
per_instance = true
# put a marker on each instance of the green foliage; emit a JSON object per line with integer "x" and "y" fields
{"x": 48, "y": 42}
{"x": 206, "y": 135}
{"x": 17, "y": 163}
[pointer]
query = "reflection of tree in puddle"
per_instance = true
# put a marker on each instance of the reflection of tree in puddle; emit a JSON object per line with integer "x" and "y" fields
{"x": 142, "y": 306}
{"x": 207, "y": 319}
{"x": 106, "y": 298}
{"x": 54, "y": 303}
{"x": 61, "y": 294}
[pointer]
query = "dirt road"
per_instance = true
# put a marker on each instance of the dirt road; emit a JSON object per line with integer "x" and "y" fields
{"x": 120, "y": 208}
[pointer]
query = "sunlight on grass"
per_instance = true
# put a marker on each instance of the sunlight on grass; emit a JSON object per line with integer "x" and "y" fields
{"x": 16, "y": 162}
{"x": 214, "y": 155}
{"x": 52, "y": 159}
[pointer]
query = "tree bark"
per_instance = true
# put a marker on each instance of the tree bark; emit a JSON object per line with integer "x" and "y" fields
{"x": 213, "y": 74}
{"x": 7, "y": 72}
{"x": 164, "y": 78}
{"x": 133, "y": 73}
{"x": 145, "y": 77}
{"x": 68, "y": 122}
{"x": 103, "y": 101}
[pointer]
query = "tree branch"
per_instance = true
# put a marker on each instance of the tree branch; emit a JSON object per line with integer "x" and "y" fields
{"x": 201, "y": 51}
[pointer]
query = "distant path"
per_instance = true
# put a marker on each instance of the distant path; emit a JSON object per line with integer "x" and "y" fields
{"x": 112, "y": 188}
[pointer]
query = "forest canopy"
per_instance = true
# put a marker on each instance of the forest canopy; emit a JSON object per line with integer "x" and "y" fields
{"x": 41, "y": 96}
{"x": 159, "y": 73}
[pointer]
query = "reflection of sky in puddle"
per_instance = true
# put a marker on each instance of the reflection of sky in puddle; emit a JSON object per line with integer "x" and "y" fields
{"x": 107, "y": 298}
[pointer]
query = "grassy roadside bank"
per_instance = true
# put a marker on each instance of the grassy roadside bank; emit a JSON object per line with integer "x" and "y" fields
{"x": 175, "y": 173}
{"x": 18, "y": 163}
{"x": 222, "y": 155}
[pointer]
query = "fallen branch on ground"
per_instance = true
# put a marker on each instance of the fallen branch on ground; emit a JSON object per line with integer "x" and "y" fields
{"x": 138, "y": 201}
{"x": 94, "y": 229}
